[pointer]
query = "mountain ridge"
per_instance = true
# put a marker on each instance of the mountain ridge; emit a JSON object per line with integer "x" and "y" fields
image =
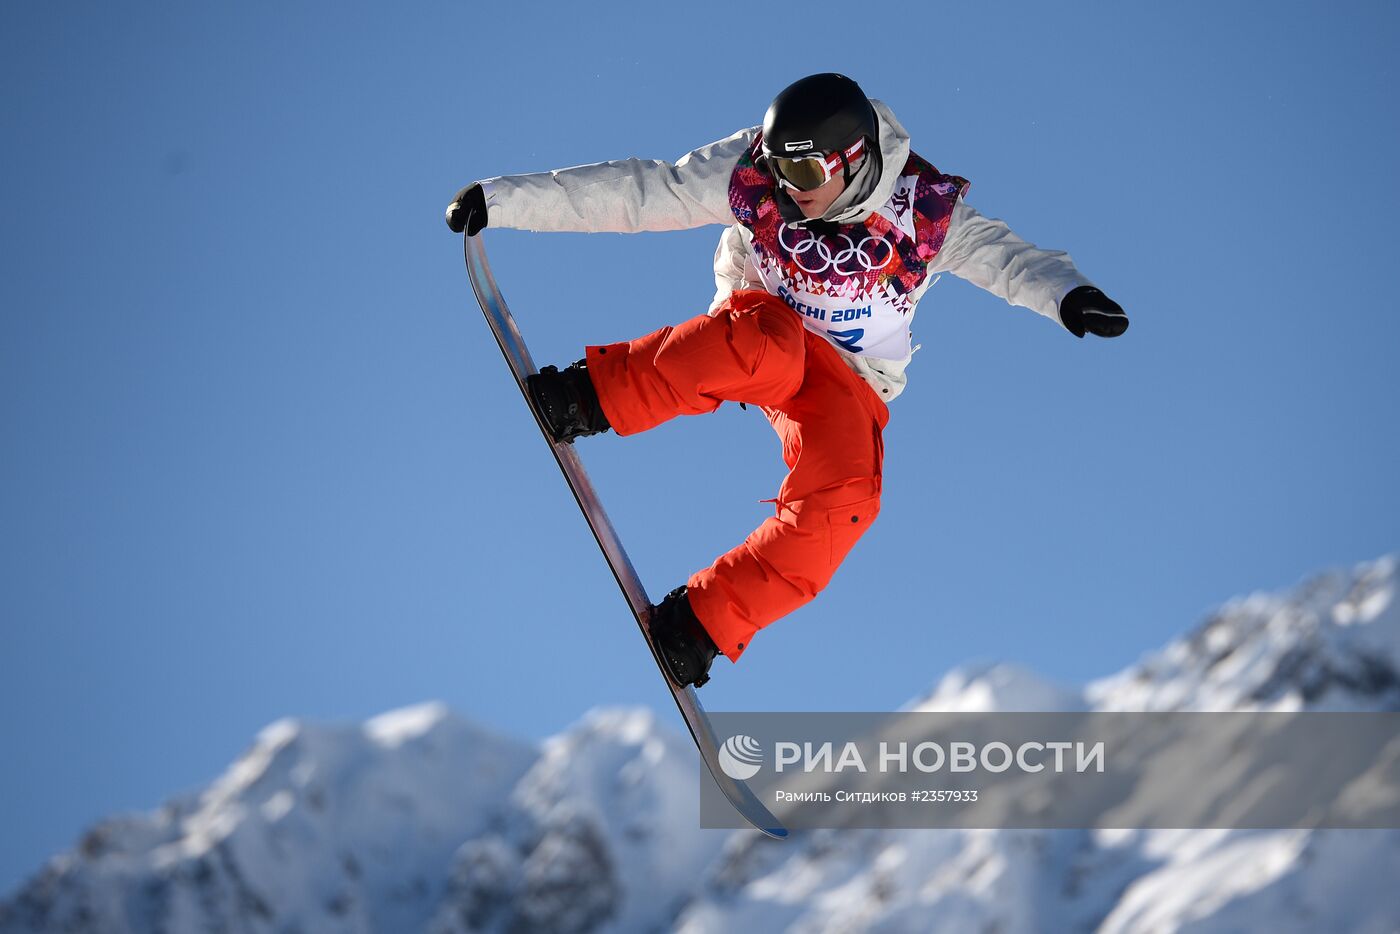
{"x": 421, "y": 819}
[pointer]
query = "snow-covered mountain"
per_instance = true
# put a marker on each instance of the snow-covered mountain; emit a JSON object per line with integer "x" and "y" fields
{"x": 422, "y": 821}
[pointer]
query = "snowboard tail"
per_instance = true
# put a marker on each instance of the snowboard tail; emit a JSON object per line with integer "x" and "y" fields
{"x": 517, "y": 355}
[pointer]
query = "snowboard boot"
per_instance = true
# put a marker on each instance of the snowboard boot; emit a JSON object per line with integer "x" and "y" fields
{"x": 567, "y": 402}
{"x": 684, "y": 645}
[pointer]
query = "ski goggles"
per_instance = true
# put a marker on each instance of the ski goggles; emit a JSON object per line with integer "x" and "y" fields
{"x": 808, "y": 173}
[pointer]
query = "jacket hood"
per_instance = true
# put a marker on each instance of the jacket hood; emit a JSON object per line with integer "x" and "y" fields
{"x": 894, "y": 153}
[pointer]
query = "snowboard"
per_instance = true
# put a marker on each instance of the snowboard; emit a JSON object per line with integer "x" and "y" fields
{"x": 517, "y": 356}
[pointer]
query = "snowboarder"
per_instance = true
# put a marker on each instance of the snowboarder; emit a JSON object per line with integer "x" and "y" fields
{"x": 834, "y": 231}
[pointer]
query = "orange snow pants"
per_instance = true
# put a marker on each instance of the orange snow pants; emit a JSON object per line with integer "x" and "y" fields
{"x": 754, "y": 349}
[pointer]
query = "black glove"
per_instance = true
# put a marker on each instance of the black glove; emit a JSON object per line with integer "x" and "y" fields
{"x": 468, "y": 211}
{"x": 1088, "y": 309}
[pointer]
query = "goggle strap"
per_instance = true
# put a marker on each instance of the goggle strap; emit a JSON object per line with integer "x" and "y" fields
{"x": 843, "y": 159}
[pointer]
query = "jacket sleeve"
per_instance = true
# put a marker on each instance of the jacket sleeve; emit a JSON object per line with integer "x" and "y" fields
{"x": 628, "y": 196}
{"x": 734, "y": 268}
{"x": 985, "y": 252}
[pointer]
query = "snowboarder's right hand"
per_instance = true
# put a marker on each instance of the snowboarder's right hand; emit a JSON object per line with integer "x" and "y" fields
{"x": 468, "y": 211}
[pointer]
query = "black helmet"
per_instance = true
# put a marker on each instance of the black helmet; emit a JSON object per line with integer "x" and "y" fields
{"x": 819, "y": 114}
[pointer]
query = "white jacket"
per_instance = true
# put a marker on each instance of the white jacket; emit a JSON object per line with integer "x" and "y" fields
{"x": 634, "y": 195}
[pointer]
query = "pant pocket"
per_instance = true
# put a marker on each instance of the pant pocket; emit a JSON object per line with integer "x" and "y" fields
{"x": 848, "y": 523}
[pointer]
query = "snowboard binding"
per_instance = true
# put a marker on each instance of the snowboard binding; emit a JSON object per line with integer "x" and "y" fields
{"x": 567, "y": 402}
{"x": 685, "y": 647}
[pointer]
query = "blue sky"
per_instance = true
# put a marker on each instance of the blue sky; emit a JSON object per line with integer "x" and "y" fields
{"x": 260, "y": 457}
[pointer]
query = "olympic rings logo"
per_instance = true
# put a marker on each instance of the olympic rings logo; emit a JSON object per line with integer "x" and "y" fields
{"x": 807, "y": 253}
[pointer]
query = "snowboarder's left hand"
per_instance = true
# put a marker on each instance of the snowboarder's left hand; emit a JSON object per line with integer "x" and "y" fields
{"x": 1086, "y": 309}
{"x": 468, "y": 211}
